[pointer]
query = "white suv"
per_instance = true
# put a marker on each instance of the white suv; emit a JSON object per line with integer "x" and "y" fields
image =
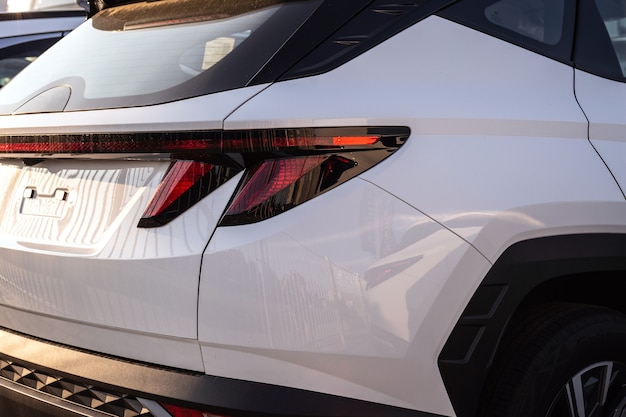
{"x": 318, "y": 208}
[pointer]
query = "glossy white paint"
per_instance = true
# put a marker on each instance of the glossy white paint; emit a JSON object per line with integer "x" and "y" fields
{"x": 206, "y": 112}
{"x": 85, "y": 261}
{"x": 334, "y": 296}
{"x": 466, "y": 97}
{"x": 603, "y": 102}
{"x": 516, "y": 196}
{"x": 79, "y": 271}
{"x": 451, "y": 79}
{"x": 480, "y": 162}
{"x": 354, "y": 292}
{"x": 146, "y": 347}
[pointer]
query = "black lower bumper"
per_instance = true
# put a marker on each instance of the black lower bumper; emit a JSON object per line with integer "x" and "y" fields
{"x": 18, "y": 402}
{"x": 38, "y": 378}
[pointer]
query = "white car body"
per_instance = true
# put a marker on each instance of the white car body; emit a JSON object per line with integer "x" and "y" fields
{"x": 506, "y": 146}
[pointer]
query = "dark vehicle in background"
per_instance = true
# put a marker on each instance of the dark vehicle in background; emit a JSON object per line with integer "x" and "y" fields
{"x": 28, "y": 28}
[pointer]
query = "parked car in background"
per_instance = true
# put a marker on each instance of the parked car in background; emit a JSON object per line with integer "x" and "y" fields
{"x": 318, "y": 208}
{"x": 27, "y": 28}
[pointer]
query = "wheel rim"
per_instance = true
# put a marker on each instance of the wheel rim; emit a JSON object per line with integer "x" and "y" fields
{"x": 596, "y": 391}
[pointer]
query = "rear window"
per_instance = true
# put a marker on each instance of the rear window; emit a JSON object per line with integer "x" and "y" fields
{"x": 16, "y": 57}
{"x": 155, "y": 52}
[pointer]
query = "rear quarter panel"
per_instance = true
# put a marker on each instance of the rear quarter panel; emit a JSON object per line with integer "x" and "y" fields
{"x": 498, "y": 153}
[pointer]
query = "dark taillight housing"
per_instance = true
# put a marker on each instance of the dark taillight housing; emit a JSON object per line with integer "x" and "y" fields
{"x": 282, "y": 167}
{"x": 294, "y": 165}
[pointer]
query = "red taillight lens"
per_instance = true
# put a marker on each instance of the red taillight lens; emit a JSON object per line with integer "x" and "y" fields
{"x": 205, "y": 142}
{"x": 177, "y": 411}
{"x": 354, "y": 140}
{"x": 269, "y": 178}
{"x": 178, "y": 180}
{"x": 284, "y": 167}
{"x": 185, "y": 183}
{"x": 275, "y": 186}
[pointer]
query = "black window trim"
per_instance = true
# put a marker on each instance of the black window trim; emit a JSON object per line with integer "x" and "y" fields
{"x": 593, "y": 51}
{"x": 470, "y": 14}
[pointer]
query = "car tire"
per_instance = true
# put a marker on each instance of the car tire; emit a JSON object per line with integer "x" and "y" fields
{"x": 560, "y": 360}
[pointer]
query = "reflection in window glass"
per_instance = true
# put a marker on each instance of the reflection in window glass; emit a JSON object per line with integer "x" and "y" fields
{"x": 613, "y": 14}
{"x": 142, "y": 60}
{"x": 540, "y": 20}
{"x": 10, "y": 67}
{"x": 17, "y": 56}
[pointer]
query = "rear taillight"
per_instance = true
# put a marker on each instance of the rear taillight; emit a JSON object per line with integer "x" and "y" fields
{"x": 184, "y": 184}
{"x": 302, "y": 164}
{"x": 283, "y": 167}
{"x": 276, "y": 185}
{"x": 177, "y": 411}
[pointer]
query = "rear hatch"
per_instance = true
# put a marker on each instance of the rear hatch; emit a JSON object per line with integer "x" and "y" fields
{"x": 81, "y": 263}
{"x": 106, "y": 211}
{"x": 116, "y": 169}
{"x": 70, "y": 206}
{"x": 76, "y": 185}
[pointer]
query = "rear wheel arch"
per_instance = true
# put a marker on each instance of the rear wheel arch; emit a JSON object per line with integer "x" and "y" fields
{"x": 581, "y": 269}
{"x": 560, "y": 359}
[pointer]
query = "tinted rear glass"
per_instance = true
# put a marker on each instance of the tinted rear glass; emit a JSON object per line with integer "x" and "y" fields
{"x": 154, "y": 52}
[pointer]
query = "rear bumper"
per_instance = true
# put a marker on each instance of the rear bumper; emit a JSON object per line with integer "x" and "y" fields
{"x": 45, "y": 379}
{"x": 18, "y": 401}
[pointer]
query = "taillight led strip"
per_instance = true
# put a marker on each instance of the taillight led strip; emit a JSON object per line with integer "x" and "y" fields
{"x": 283, "y": 167}
{"x": 275, "y": 140}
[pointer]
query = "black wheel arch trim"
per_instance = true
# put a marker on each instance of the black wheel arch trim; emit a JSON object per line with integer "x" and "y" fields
{"x": 184, "y": 388}
{"x": 467, "y": 355}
